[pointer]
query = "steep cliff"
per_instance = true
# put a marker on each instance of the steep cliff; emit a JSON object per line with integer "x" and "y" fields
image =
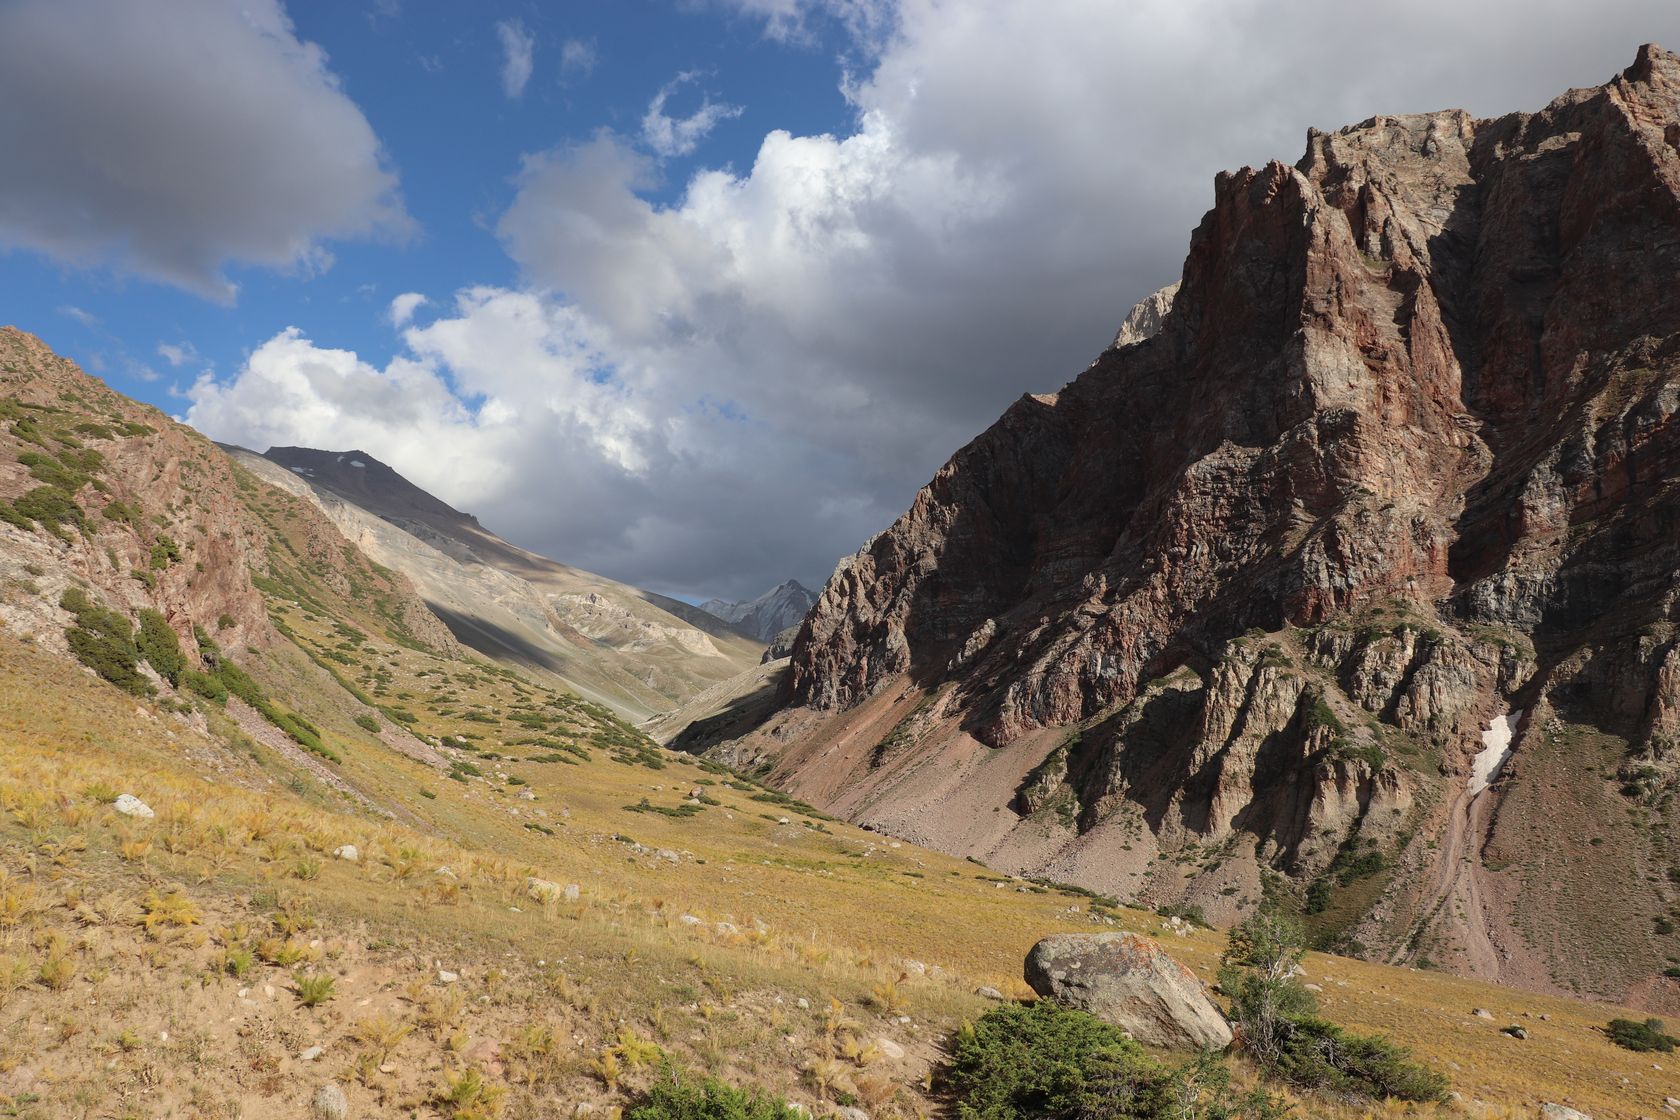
{"x": 1226, "y": 617}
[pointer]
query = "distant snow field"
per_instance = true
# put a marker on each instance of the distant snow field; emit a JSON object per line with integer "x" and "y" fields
{"x": 1496, "y": 749}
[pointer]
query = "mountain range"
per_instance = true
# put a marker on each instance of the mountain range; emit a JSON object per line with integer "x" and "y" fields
{"x": 1345, "y": 580}
{"x": 1344, "y": 583}
{"x": 770, "y": 614}
{"x": 636, "y": 652}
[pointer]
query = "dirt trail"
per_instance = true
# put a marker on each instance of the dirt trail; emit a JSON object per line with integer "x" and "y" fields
{"x": 1462, "y": 904}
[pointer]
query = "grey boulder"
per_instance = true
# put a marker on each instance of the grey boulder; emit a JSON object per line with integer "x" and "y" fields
{"x": 1130, "y": 981}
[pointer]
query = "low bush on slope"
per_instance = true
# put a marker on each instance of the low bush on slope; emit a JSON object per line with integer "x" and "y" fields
{"x": 1280, "y": 1029}
{"x": 1027, "y": 1061}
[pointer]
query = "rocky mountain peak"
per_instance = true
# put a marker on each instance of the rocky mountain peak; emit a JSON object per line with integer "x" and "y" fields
{"x": 767, "y": 616}
{"x": 1398, "y": 458}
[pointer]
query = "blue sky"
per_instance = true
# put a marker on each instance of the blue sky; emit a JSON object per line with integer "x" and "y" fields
{"x": 428, "y": 77}
{"x": 699, "y": 296}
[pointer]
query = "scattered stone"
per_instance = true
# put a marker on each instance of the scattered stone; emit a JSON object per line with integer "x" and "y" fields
{"x": 802, "y": 1003}
{"x": 728, "y": 927}
{"x": 542, "y": 890}
{"x": 131, "y": 806}
{"x": 447, "y": 977}
{"x": 891, "y": 1049}
{"x": 1514, "y": 1032}
{"x": 783, "y": 820}
{"x": 1550, "y": 1111}
{"x": 347, "y": 852}
{"x": 446, "y": 871}
{"x": 690, "y": 920}
{"x": 1313, "y": 987}
{"x": 1482, "y": 1013}
{"x": 851, "y": 1112}
{"x": 570, "y": 894}
{"x": 1130, "y": 981}
{"x": 329, "y": 1103}
{"x": 696, "y": 793}
{"x": 986, "y": 992}
{"x": 311, "y": 1054}
{"x": 668, "y": 855}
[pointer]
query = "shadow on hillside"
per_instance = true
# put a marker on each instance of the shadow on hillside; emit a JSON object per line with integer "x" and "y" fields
{"x": 495, "y": 642}
{"x": 743, "y": 715}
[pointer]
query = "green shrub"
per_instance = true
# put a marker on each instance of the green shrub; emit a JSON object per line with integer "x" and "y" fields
{"x": 1282, "y": 1033}
{"x": 677, "y": 1096}
{"x": 368, "y": 723}
{"x": 1651, "y": 1035}
{"x": 205, "y": 685}
{"x": 1024, "y": 1061}
{"x": 1319, "y": 1055}
{"x": 164, "y": 553}
{"x": 103, "y": 640}
{"x": 11, "y": 516}
{"x": 51, "y": 506}
{"x": 160, "y": 647}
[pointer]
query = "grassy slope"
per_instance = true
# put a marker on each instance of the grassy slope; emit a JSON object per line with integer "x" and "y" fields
{"x": 837, "y": 924}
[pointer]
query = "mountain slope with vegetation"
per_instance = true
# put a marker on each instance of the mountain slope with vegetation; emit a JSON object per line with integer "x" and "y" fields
{"x": 314, "y": 852}
{"x": 637, "y": 653}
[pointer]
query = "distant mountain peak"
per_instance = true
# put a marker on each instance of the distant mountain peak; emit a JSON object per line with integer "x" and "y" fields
{"x": 364, "y": 479}
{"x": 771, "y": 613}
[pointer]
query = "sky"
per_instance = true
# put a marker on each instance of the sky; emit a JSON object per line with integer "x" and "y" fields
{"x": 692, "y": 294}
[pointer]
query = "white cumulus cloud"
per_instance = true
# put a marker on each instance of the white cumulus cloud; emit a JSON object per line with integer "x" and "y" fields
{"x": 671, "y": 136}
{"x": 403, "y": 308}
{"x": 714, "y": 393}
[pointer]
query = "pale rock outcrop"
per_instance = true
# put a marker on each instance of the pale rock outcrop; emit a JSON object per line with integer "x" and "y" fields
{"x": 1130, "y": 981}
{"x": 1148, "y": 317}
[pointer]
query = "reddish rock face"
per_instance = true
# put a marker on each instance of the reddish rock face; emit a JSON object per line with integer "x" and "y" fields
{"x": 1404, "y": 369}
{"x": 1411, "y": 417}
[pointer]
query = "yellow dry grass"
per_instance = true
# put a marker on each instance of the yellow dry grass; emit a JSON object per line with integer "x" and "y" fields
{"x": 697, "y": 934}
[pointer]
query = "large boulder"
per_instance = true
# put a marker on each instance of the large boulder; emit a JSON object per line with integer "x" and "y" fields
{"x": 1129, "y": 981}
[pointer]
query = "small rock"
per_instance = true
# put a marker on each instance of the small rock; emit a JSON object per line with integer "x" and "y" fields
{"x": 668, "y": 855}
{"x": 446, "y": 871}
{"x": 890, "y": 1048}
{"x": 570, "y": 893}
{"x": 802, "y": 1003}
{"x": 696, "y": 793}
{"x": 1482, "y": 1013}
{"x": 986, "y": 992}
{"x": 310, "y": 1054}
{"x": 131, "y": 806}
{"x": 447, "y": 977}
{"x": 329, "y": 1103}
{"x": 783, "y": 820}
{"x": 690, "y": 920}
{"x": 728, "y": 927}
{"x": 1514, "y": 1032}
{"x": 1550, "y": 1111}
{"x": 1313, "y": 987}
{"x": 542, "y": 890}
{"x": 347, "y": 852}
{"x": 851, "y": 1112}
